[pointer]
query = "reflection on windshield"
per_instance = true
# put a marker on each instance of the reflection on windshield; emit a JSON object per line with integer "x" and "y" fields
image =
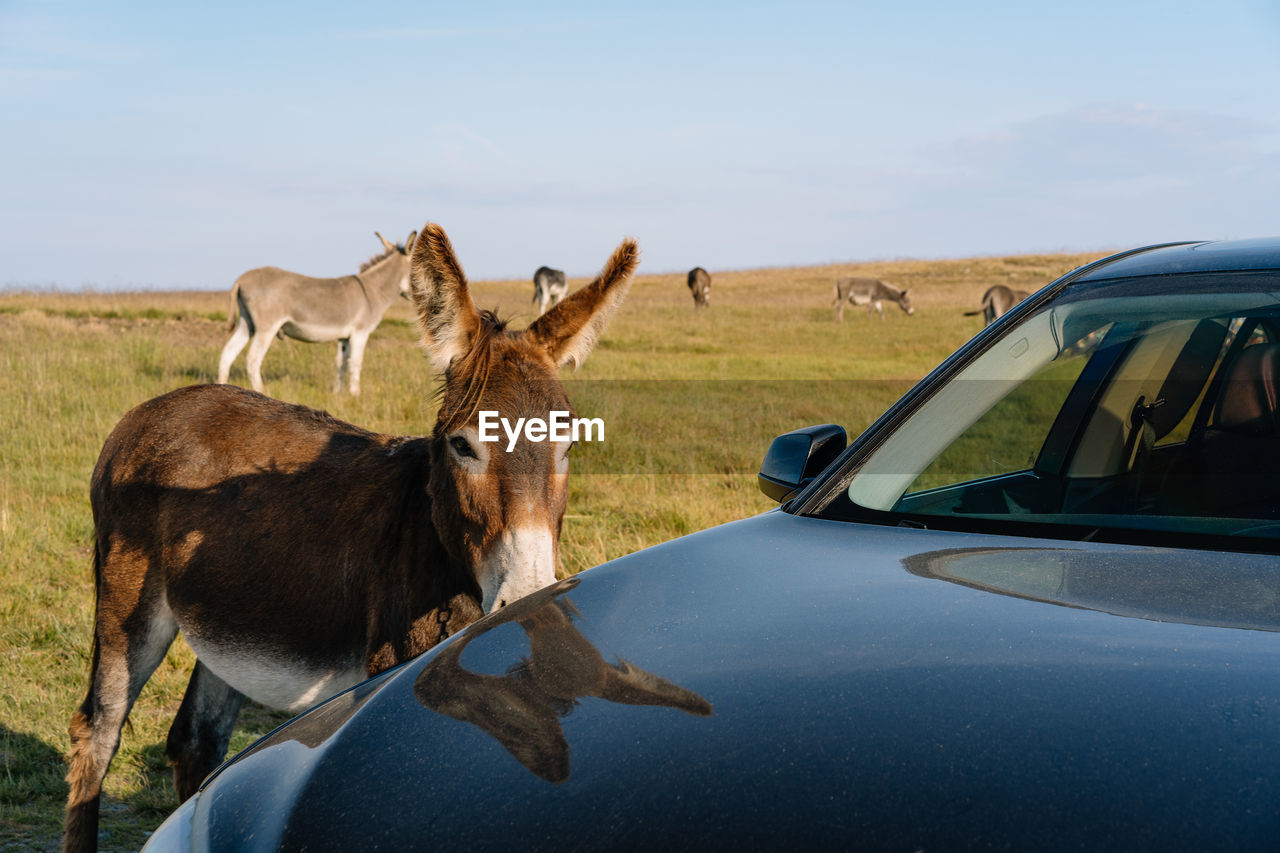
{"x": 1226, "y": 591}
{"x": 521, "y": 708}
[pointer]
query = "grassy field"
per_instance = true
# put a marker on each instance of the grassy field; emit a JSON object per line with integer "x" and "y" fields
{"x": 690, "y": 401}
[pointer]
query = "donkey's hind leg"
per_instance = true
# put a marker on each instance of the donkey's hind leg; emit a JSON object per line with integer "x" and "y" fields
{"x": 344, "y": 358}
{"x": 201, "y": 732}
{"x": 239, "y": 338}
{"x": 262, "y": 338}
{"x": 127, "y": 649}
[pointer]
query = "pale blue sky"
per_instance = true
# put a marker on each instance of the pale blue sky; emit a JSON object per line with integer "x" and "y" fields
{"x": 174, "y": 145}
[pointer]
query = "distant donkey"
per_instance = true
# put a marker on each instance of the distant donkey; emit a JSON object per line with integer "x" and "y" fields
{"x": 268, "y": 301}
{"x": 871, "y": 292}
{"x": 549, "y": 287}
{"x": 299, "y": 554}
{"x": 997, "y": 302}
{"x": 700, "y": 287}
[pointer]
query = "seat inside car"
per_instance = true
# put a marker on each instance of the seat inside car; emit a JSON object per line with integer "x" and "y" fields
{"x": 1155, "y": 387}
{"x": 1236, "y": 457}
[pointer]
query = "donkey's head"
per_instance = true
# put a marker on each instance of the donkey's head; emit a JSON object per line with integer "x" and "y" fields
{"x": 400, "y": 256}
{"x": 904, "y": 302}
{"x": 498, "y": 505}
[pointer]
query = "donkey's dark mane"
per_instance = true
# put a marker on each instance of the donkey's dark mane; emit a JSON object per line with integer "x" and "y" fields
{"x": 399, "y": 247}
{"x": 475, "y": 365}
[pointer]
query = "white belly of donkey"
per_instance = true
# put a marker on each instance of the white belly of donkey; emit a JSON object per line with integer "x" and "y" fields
{"x": 273, "y": 677}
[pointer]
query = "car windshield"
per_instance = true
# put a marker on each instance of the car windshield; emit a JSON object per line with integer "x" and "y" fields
{"x": 1139, "y": 404}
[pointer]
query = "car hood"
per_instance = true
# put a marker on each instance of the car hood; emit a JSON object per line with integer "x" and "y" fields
{"x": 792, "y": 680}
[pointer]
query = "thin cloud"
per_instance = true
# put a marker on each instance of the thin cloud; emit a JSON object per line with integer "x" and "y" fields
{"x": 55, "y": 38}
{"x": 685, "y": 134}
{"x": 478, "y": 194}
{"x": 37, "y": 75}
{"x": 410, "y": 33}
{"x": 1120, "y": 142}
{"x": 476, "y": 140}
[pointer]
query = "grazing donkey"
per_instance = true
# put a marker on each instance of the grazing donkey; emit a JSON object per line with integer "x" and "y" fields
{"x": 299, "y": 554}
{"x": 549, "y": 287}
{"x": 871, "y": 292}
{"x": 700, "y": 286}
{"x": 270, "y": 301}
{"x": 996, "y": 302}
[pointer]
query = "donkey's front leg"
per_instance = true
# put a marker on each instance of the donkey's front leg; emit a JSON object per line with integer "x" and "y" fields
{"x": 201, "y": 732}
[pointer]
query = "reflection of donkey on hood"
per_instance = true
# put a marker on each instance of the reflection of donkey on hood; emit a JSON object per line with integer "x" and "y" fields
{"x": 519, "y": 709}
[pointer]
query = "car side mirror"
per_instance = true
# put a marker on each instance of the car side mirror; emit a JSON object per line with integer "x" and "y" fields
{"x": 796, "y": 457}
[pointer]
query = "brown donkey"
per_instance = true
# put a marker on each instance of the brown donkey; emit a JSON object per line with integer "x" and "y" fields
{"x": 700, "y": 287}
{"x": 299, "y": 554}
{"x": 996, "y": 302}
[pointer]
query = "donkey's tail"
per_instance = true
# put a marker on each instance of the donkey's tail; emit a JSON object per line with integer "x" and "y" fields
{"x": 986, "y": 302}
{"x": 234, "y": 313}
{"x": 835, "y": 300}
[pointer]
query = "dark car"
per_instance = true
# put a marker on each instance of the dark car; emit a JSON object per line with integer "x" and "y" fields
{"x": 1034, "y": 606}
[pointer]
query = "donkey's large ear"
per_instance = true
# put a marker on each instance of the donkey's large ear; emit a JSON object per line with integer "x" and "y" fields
{"x": 386, "y": 244}
{"x": 569, "y": 330}
{"x": 631, "y": 685}
{"x": 447, "y": 317}
{"x": 408, "y": 242}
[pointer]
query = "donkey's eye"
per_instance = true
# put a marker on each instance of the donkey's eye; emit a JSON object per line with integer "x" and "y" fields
{"x": 462, "y": 447}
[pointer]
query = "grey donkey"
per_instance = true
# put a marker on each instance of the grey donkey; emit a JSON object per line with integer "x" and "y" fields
{"x": 871, "y": 292}
{"x": 269, "y": 301}
{"x": 549, "y": 287}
